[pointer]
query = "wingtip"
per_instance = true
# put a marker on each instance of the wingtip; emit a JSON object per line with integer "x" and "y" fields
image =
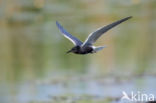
{"x": 129, "y": 17}
{"x": 57, "y": 23}
{"x": 126, "y": 18}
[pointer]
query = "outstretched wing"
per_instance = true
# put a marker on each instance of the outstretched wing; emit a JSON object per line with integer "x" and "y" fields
{"x": 73, "y": 39}
{"x": 95, "y": 35}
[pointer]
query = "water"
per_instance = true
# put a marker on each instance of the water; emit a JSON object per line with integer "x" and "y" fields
{"x": 76, "y": 89}
{"x": 35, "y": 68}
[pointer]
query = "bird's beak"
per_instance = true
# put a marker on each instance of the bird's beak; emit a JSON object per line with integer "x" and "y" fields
{"x": 69, "y": 51}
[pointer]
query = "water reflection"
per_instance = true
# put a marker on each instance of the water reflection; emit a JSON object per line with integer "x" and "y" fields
{"x": 76, "y": 89}
{"x": 32, "y": 49}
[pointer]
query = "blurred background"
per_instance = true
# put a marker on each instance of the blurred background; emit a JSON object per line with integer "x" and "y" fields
{"x": 35, "y": 68}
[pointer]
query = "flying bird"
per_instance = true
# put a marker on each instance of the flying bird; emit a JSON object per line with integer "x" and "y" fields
{"x": 87, "y": 46}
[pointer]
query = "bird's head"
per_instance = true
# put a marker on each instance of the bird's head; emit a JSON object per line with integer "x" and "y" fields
{"x": 74, "y": 49}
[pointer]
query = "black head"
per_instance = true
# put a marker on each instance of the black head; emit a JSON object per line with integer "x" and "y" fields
{"x": 74, "y": 49}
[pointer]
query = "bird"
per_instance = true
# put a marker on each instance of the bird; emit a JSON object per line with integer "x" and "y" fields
{"x": 87, "y": 47}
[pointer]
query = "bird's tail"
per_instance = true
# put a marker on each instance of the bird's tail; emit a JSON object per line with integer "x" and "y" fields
{"x": 99, "y": 48}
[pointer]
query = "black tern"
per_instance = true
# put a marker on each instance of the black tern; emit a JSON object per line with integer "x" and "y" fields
{"x": 87, "y": 46}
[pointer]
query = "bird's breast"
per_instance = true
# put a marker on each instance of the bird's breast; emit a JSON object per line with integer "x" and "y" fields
{"x": 86, "y": 50}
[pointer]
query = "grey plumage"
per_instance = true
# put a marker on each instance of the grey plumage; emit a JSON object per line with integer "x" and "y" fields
{"x": 95, "y": 35}
{"x": 87, "y": 46}
{"x": 73, "y": 39}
